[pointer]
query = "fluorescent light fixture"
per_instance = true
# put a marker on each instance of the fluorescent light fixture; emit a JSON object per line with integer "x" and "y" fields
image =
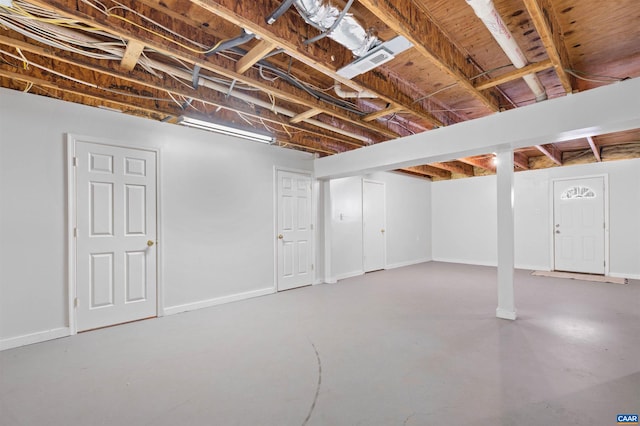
{"x": 226, "y": 130}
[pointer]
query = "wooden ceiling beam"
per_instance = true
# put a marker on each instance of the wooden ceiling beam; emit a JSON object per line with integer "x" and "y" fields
{"x": 416, "y": 25}
{"x": 521, "y": 160}
{"x": 594, "y": 148}
{"x": 203, "y": 94}
{"x": 551, "y": 151}
{"x": 515, "y": 74}
{"x": 254, "y": 55}
{"x": 321, "y": 55}
{"x": 484, "y": 162}
{"x": 215, "y": 63}
{"x": 455, "y": 167}
{"x": 131, "y": 55}
{"x": 430, "y": 171}
{"x": 383, "y": 112}
{"x": 304, "y": 115}
{"x": 216, "y": 99}
{"x": 39, "y": 78}
{"x": 152, "y": 109}
{"x": 548, "y": 27}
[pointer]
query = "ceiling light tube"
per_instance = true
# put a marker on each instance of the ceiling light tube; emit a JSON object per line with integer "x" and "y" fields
{"x": 226, "y": 130}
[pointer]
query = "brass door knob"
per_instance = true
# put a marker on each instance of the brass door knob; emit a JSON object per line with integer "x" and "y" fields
{"x": 280, "y": 236}
{"x": 150, "y": 243}
{"x": 382, "y": 230}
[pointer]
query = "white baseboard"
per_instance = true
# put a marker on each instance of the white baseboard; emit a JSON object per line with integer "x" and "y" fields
{"x": 464, "y": 261}
{"x": 171, "y": 310}
{"x": 348, "y": 275}
{"x": 533, "y": 267}
{"x": 504, "y": 314}
{"x": 29, "y": 339}
{"x": 629, "y": 276}
{"x": 407, "y": 263}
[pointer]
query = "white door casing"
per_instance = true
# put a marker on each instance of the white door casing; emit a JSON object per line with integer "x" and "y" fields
{"x": 294, "y": 230}
{"x": 373, "y": 226}
{"x": 579, "y": 225}
{"x": 115, "y": 235}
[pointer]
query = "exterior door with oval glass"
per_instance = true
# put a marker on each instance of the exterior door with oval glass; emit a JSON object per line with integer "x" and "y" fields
{"x": 579, "y": 225}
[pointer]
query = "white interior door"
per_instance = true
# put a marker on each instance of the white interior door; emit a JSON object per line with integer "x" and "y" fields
{"x": 373, "y": 225}
{"x": 116, "y": 235}
{"x": 294, "y": 245}
{"x": 579, "y": 225}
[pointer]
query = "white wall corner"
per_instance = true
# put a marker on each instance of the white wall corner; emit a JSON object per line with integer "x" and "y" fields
{"x": 29, "y": 339}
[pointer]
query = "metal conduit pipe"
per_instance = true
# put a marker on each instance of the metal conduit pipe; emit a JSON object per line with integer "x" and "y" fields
{"x": 486, "y": 11}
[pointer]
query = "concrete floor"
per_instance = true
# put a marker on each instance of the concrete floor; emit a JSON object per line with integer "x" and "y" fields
{"x": 413, "y": 346}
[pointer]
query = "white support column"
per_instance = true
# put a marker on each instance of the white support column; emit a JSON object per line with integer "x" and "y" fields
{"x": 326, "y": 193}
{"x": 506, "y": 305}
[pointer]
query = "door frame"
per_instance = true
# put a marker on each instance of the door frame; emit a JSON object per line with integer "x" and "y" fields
{"x": 384, "y": 219}
{"x": 314, "y": 217}
{"x": 552, "y": 211}
{"x": 71, "y": 140}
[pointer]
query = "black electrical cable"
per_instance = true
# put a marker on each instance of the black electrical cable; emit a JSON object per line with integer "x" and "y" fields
{"x": 223, "y": 45}
{"x": 284, "y": 6}
{"x": 294, "y": 82}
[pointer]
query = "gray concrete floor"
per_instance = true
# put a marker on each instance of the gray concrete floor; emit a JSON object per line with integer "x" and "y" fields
{"x": 413, "y": 346}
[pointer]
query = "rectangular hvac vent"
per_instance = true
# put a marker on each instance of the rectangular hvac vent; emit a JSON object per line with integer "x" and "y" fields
{"x": 375, "y": 57}
{"x": 369, "y": 62}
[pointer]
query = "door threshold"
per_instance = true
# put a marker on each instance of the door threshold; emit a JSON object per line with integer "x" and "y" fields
{"x": 581, "y": 276}
{"x": 120, "y": 323}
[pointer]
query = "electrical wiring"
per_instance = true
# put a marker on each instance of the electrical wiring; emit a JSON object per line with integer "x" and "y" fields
{"x": 490, "y": 71}
{"x": 435, "y": 93}
{"x": 588, "y": 77}
{"x": 85, "y": 83}
{"x": 205, "y": 51}
{"x": 44, "y": 33}
{"x": 261, "y": 70}
{"x": 170, "y": 31}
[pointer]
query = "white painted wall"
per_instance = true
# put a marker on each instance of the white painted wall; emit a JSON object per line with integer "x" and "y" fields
{"x": 408, "y": 229}
{"x": 217, "y": 210}
{"x": 464, "y": 220}
{"x": 464, "y": 212}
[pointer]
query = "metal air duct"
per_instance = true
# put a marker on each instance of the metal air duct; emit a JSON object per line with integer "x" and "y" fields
{"x": 348, "y": 32}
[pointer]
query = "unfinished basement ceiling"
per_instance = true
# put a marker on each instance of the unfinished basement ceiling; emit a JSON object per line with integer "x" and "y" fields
{"x": 221, "y": 61}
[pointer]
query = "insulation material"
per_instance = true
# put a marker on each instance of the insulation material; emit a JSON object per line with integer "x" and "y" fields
{"x": 348, "y": 33}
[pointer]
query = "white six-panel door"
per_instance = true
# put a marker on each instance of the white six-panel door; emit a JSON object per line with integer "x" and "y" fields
{"x": 579, "y": 225}
{"x": 116, "y": 235}
{"x": 295, "y": 232}
{"x": 373, "y": 225}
